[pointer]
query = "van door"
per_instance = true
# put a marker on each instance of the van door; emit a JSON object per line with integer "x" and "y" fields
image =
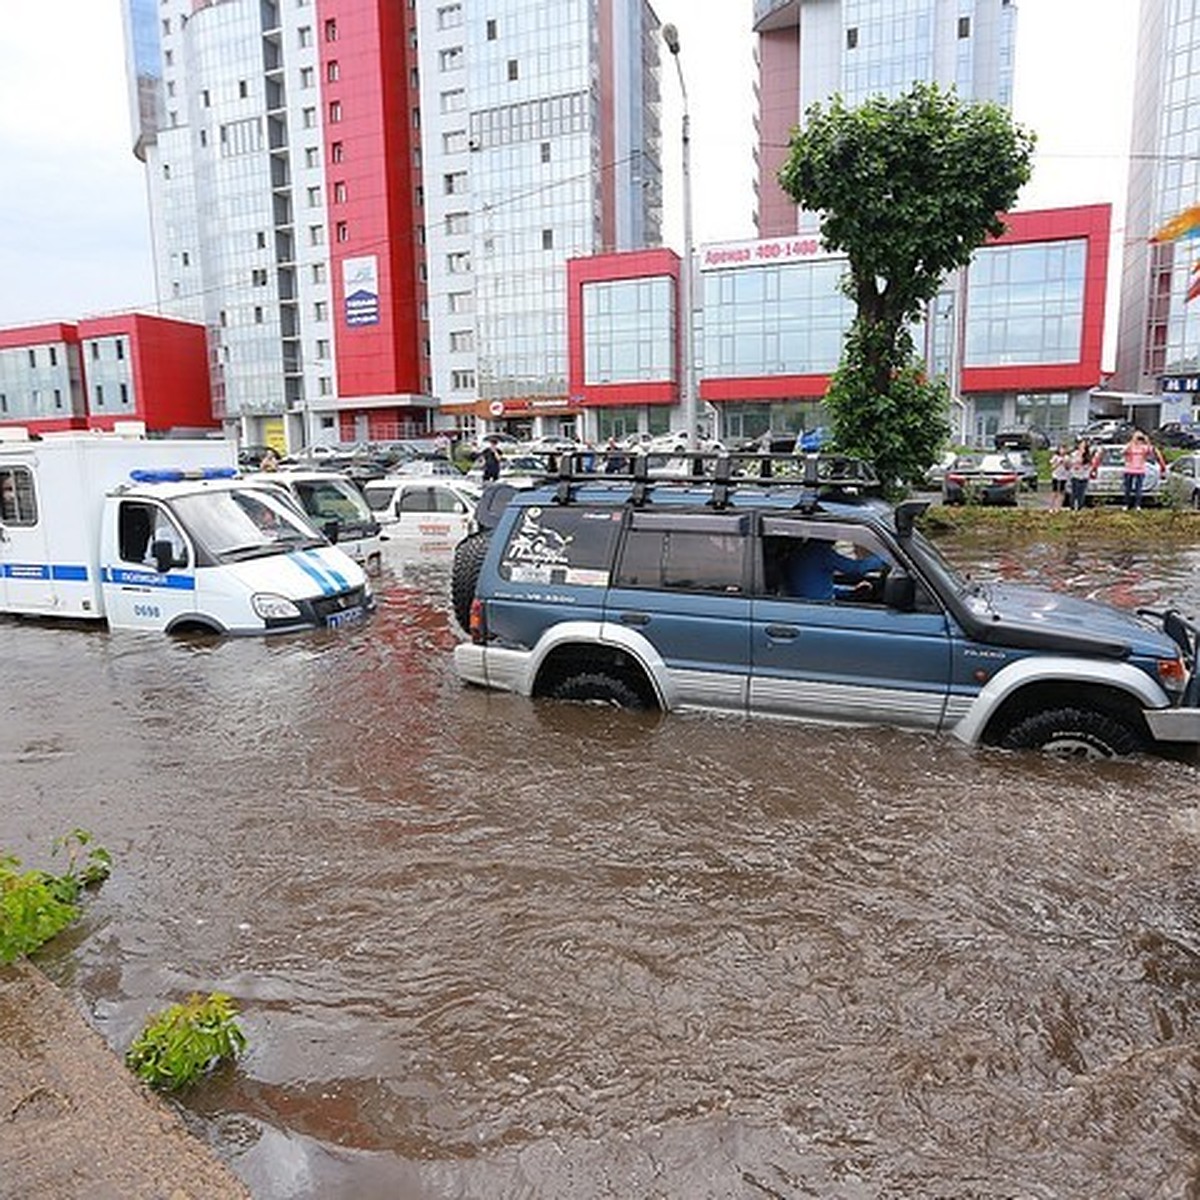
{"x": 26, "y": 572}
{"x": 683, "y": 584}
{"x": 824, "y": 644}
{"x": 137, "y": 593}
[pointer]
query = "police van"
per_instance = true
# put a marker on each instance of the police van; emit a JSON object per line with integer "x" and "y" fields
{"x": 164, "y": 536}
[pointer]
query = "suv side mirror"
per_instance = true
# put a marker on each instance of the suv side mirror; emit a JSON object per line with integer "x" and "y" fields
{"x": 163, "y": 554}
{"x": 331, "y": 529}
{"x": 900, "y": 591}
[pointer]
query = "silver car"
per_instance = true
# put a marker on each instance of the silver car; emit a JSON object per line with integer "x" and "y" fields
{"x": 1108, "y": 476}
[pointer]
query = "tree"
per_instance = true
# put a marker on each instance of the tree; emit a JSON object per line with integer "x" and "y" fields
{"x": 908, "y": 189}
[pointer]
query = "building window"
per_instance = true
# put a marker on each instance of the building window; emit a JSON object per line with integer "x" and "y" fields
{"x": 205, "y": 96}
{"x": 307, "y": 77}
{"x": 120, "y": 345}
{"x": 54, "y": 355}
{"x": 168, "y": 58}
{"x": 455, "y": 183}
{"x": 450, "y": 59}
{"x": 124, "y": 397}
{"x": 58, "y": 403}
{"x": 449, "y": 16}
{"x": 547, "y": 239}
{"x": 325, "y": 386}
{"x": 316, "y": 235}
{"x": 459, "y": 262}
{"x": 337, "y": 152}
{"x": 318, "y": 272}
{"x": 339, "y": 192}
{"x": 462, "y": 381}
{"x": 454, "y": 100}
{"x": 99, "y": 395}
{"x": 458, "y": 222}
{"x": 851, "y": 39}
{"x": 260, "y": 238}
{"x": 335, "y": 111}
{"x": 322, "y": 347}
{"x": 33, "y": 355}
{"x": 258, "y": 314}
{"x": 243, "y": 89}
{"x": 964, "y": 27}
{"x": 342, "y": 231}
{"x": 304, "y": 35}
{"x": 331, "y": 30}
{"x": 333, "y": 72}
{"x": 314, "y": 197}
{"x": 513, "y": 72}
{"x": 491, "y": 30}
{"x": 308, "y": 117}
{"x": 462, "y": 341}
{"x": 258, "y": 277}
{"x": 545, "y": 152}
{"x": 460, "y": 302}
{"x": 204, "y": 137}
{"x": 312, "y": 156}
{"x": 320, "y": 311}
{"x": 454, "y": 141}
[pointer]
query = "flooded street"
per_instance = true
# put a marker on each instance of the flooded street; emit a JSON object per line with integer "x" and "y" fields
{"x": 487, "y": 947}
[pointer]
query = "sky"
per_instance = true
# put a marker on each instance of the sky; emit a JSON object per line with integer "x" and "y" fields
{"x": 74, "y": 222}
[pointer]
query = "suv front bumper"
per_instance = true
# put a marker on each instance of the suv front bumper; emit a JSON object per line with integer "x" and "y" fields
{"x": 1173, "y": 724}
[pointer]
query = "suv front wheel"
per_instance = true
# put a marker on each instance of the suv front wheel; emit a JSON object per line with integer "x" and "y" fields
{"x": 1072, "y": 732}
{"x": 597, "y": 687}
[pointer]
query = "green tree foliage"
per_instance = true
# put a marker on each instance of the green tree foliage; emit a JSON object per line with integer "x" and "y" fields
{"x": 908, "y": 189}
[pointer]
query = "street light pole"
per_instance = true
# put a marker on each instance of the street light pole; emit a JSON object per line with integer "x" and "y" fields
{"x": 687, "y": 375}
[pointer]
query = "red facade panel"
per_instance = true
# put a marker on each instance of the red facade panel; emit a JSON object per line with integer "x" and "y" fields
{"x": 169, "y": 365}
{"x": 633, "y": 264}
{"x": 1092, "y": 222}
{"x": 779, "y": 111}
{"x": 369, "y": 188}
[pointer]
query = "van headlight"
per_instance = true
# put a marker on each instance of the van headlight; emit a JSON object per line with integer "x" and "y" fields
{"x": 273, "y": 608}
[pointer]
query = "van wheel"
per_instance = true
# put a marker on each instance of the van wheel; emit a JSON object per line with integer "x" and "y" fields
{"x": 1075, "y": 733}
{"x": 598, "y": 687}
{"x": 468, "y": 562}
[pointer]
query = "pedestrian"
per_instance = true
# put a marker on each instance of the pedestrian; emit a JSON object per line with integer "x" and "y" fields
{"x": 1080, "y": 470}
{"x": 1138, "y": 451}
{"x": 491, "y": 462}
{"x": 1060, "y": 475}
{"x": 269, "y": 461}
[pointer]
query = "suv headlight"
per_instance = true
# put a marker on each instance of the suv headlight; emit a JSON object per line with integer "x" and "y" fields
{"x": 272, "y": 607}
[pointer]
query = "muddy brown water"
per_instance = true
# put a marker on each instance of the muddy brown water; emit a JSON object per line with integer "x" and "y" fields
{"x": 485, "y": 947}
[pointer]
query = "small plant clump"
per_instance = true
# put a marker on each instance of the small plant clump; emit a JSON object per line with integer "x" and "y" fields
{"x": 37, "y": 905}
{"x": 181, "y": 1043}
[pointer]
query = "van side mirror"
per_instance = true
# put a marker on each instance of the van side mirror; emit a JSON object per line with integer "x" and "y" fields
{"x": 900, "y": 591}
{"x": 331, "y": 529}
{"x": 163, "y": 554}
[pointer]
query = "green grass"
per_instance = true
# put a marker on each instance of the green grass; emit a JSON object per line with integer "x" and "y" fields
{"x": 1109, "y": 524}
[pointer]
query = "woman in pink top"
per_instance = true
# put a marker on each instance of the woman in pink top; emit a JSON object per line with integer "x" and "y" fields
{"x": 1138, "y": 451}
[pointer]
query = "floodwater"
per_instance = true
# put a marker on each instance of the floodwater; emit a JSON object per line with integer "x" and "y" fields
{"x": 485, "y": 947}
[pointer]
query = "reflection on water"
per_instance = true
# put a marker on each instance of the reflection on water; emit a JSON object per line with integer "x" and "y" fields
{"x": 486, "y": 947}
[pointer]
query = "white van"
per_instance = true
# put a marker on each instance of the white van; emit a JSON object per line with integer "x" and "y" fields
{"x": 422, "y": 515}
{"x": 162, "y": 535}
{"x": 336, "y": 507}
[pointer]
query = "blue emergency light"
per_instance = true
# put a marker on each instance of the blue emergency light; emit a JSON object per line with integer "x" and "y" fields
{"x": 179, "y": 474}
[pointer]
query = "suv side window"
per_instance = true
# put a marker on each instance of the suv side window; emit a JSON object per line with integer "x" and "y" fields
{"x": 567, "y": 544}
{"x": 823, "y": 561}
{"x": 686, "y": 552}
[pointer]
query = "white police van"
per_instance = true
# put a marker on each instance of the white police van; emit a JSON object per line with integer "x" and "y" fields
{"x": 164, "y": 536}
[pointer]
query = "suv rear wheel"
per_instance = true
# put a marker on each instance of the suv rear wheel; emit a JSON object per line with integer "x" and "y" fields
{"x": 597, "y": 686}
{"x": 1075, "y": 733}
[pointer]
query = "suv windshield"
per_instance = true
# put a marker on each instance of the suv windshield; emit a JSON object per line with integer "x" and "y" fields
{"x": 238, "y": 523}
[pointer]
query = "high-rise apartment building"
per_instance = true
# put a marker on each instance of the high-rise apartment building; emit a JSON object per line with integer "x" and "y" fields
{"x": 1158, "y": 342}
{"x": 369, "y": 203}
{"x": 811, "y": 49}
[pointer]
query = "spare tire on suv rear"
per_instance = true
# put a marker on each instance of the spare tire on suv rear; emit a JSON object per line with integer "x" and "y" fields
{"x": 468, "y": 561}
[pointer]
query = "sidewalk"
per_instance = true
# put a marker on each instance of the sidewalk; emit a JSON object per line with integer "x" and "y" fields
{"x": 75, "y": 1123}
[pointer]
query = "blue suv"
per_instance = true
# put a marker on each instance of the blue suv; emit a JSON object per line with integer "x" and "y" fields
{"x": 789, "y": 588}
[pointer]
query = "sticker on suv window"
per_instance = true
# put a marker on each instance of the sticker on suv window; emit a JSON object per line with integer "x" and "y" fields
{"x": 562, "y": 546}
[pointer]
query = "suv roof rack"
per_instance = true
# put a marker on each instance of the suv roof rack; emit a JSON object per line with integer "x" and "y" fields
{"x": 722, "y": 471}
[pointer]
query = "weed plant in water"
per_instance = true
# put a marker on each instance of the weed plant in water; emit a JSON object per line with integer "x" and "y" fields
{"x": 180, "y": 1044}
{"x": 37, "y": 905}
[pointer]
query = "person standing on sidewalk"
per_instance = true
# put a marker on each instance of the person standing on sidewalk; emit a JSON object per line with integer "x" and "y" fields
{"x": 1060, "y": 476}
{"x": 1080, "y": 472}
{"x": 1138, "y": 451}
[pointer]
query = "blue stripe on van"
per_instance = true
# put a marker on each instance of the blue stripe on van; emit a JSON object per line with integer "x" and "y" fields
{"x": 69, "y": 573}
{"x": 338, "y": 578}
{"x": 151, "y": 579}
{"x": 313, "y": 570}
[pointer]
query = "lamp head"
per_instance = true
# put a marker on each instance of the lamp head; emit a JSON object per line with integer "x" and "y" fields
{"x": 671, "y": 37}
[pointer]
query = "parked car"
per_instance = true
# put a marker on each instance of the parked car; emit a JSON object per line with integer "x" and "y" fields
{"x": 1108, "y": 430}
{"x": 422, "y": 514}
{"x": 1178, "y": 435}
{"x": 1182, "y": 482}
{"x": 250, "y": 457}
{"x": 519, "y": 469}
{"x": 427, "y": 466}
{"x": 1108, "y": 476}
{"x": 1026, "y": 468}
{"x": 1021, "y": 437}
{"x": 936, "y": 473}
{"x": 679, "y": 594}
{"x": 810, "y": 441}
{"x": 981, "y": 479}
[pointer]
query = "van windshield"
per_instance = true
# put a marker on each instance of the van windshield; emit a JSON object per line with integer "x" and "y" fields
{"x": 239, "y": 523}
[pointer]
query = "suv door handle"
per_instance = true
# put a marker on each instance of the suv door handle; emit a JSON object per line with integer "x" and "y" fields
{"x": 634, "y": 618}
{"x": 783, "y": 633}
